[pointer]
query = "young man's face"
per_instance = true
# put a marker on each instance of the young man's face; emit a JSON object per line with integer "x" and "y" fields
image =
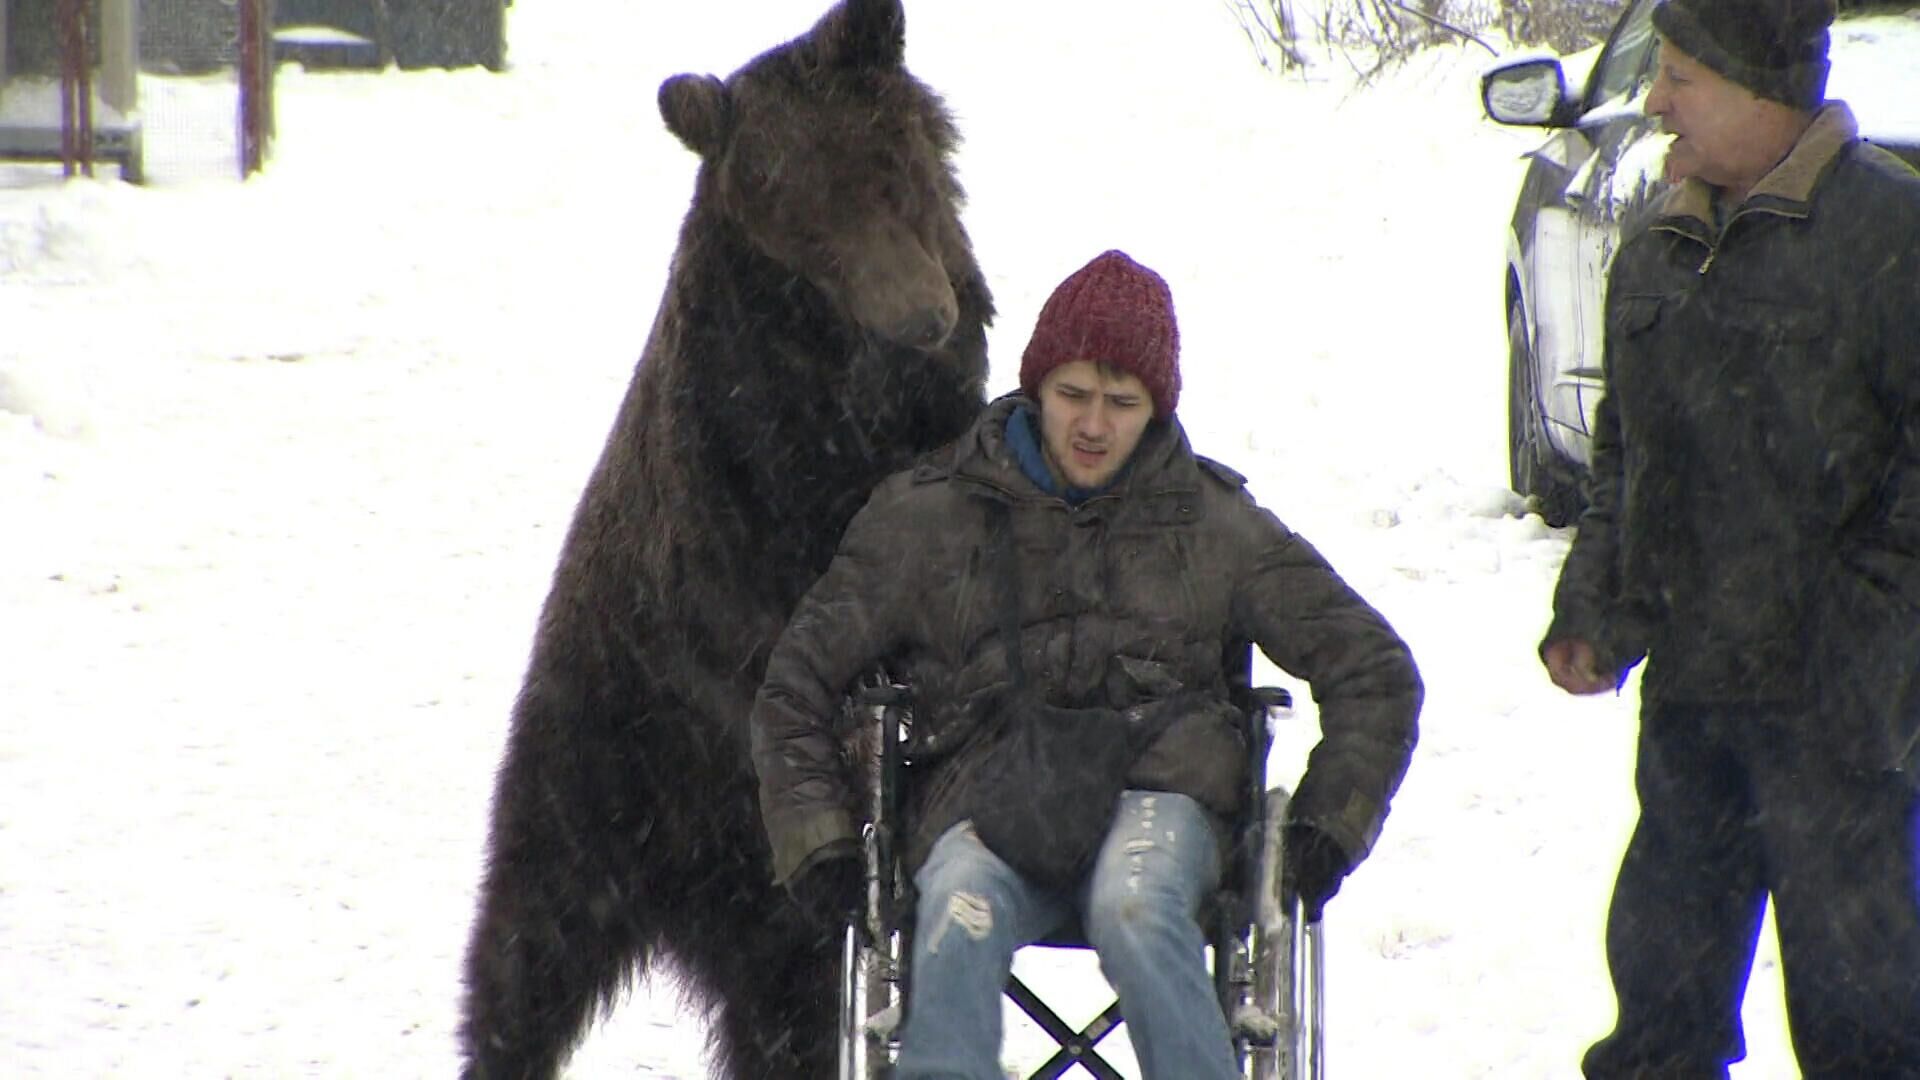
{"x": 1723, "y": 133}
{"x": 1091, "y": 418}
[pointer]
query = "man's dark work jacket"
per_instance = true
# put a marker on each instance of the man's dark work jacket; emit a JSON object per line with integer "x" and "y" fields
{"x": 1157, "y": 573}
{"x": 1754, "y": 528}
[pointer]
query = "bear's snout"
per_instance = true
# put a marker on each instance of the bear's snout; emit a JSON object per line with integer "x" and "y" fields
{"x": 928, "y": 327}
{"x": 896, "y": 290}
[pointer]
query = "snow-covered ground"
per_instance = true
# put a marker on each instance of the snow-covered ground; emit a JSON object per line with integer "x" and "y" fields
{"x": 284, "y": 467}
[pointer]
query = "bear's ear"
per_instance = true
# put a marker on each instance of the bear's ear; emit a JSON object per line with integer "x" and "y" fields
{"x": 871, "y": 33}
{"x": 697, "y": 111}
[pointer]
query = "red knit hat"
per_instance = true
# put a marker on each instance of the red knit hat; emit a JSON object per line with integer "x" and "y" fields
{"x": 1112, "y": 311}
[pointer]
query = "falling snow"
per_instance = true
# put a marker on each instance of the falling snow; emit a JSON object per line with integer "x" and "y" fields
{"x": 284, "y": 467}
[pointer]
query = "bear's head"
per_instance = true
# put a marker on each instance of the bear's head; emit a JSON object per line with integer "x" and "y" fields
{"x": 833, "y": 161}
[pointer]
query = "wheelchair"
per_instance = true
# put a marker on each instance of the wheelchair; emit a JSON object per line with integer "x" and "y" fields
{"x": 1268, "y": 961}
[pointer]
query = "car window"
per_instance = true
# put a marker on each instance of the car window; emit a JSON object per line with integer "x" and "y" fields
{"x": 1627, "y": 61}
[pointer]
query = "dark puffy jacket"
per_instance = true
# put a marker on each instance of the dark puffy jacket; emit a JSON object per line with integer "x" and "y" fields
{"x": 1754, "y": 530}
{"x": 1167, "y": 568}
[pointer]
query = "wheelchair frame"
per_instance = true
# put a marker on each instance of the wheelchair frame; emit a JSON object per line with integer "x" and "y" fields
{"x": 1269, "y": 968}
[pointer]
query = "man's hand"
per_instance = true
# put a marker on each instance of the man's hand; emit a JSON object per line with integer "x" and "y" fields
{"x": 1570, "y": 663}
{"x": 1311, "y": 867}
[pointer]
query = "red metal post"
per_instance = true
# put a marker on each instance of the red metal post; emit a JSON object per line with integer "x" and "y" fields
{"x": 75, "y": 34}
{"x": 84, "y": 48}
{"x": 63, "y": 14}
{"x": 254, "y": 103}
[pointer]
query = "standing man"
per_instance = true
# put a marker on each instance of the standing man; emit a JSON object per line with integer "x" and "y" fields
{"x": 1754, "y": 534}
{"x": 1068, "y": 557}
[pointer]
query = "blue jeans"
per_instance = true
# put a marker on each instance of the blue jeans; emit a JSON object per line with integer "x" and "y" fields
{"x": 1138, "y": 908}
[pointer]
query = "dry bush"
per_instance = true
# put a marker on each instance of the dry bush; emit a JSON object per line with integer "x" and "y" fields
{"x": 1269, "y": 27}
{"x": 1375, "y": 34}
{"x": 1561, "y": 25}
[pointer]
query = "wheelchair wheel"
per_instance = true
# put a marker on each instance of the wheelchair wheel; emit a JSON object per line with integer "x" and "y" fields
{"x": 1288, "y": 969}
{"x": 868, "y": 1011}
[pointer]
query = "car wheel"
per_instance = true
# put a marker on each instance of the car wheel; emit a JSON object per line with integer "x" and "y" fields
{"x": 1534, "y": 468}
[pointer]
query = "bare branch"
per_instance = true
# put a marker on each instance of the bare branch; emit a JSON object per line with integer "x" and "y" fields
{"x": 1445, "y": 25}
{"x": 1263, "y": 34}
{"x": 1374, "y": 35}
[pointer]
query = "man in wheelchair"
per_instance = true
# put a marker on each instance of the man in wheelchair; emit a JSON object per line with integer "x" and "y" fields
{"x": 1060, "y": 588}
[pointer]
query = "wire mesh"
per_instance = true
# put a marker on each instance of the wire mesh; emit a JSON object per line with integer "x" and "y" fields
{"x": 196, "y": 89}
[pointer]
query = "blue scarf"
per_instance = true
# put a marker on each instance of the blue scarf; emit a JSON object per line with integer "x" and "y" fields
{"x": 1024, "y": 439}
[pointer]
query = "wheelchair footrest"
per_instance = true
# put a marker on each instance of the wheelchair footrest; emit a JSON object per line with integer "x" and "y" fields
{"x": 1258, "y": 1026}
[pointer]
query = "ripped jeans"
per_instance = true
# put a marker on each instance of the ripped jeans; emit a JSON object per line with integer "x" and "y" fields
{"x": 1138, "y": 910}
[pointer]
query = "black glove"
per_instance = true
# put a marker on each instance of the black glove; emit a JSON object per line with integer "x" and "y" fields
{"x": 1312, "y": 866}
{"x": 830, "y": 888}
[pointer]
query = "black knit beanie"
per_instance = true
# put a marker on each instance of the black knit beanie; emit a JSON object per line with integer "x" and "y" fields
{"x": 1775, "y": 48}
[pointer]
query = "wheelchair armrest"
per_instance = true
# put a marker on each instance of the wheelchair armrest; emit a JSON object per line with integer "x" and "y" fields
{"x": 1269, "y": 698}
{"x": 886, "y": 694}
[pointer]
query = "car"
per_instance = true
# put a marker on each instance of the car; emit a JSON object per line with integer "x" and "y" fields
{"x": 1589, "y": 184}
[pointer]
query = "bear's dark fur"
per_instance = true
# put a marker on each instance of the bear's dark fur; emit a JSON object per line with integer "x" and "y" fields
{"x": 824, "y": 321}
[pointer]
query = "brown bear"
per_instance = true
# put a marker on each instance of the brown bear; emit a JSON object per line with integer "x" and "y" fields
{"x": 824, "y": 322}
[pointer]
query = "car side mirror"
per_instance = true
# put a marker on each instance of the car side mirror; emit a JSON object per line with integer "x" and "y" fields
{"x": 1530, "y": 93}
